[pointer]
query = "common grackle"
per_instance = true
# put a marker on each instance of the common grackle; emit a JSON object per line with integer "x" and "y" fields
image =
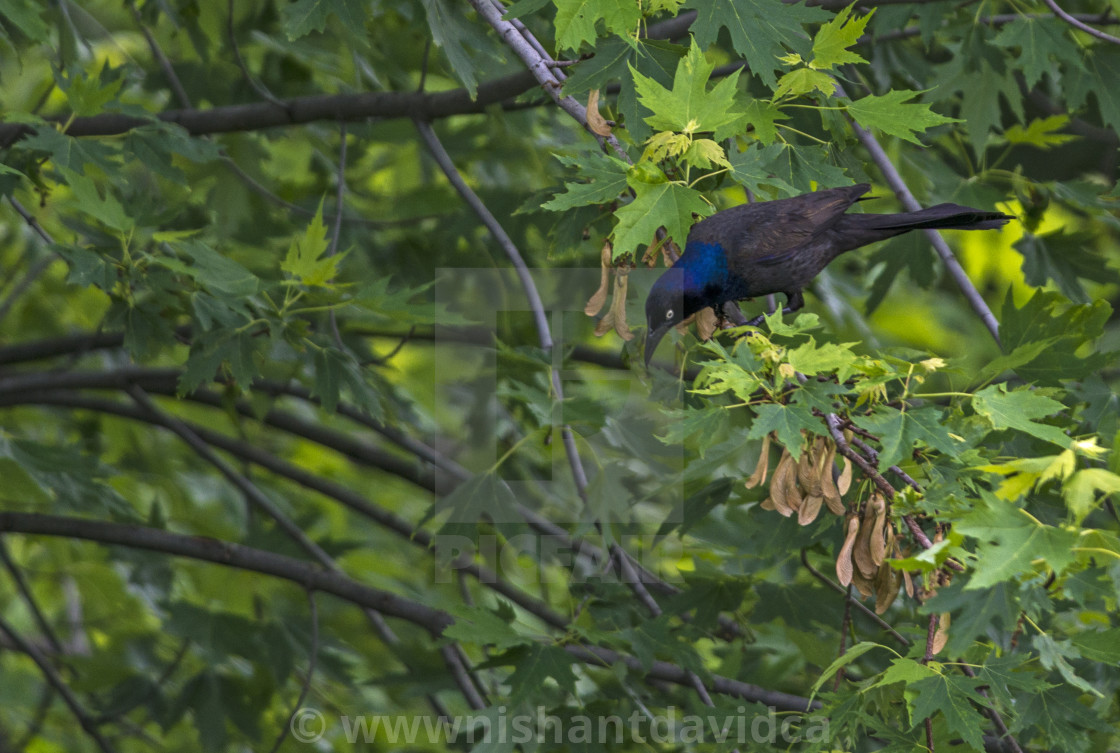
{"x": 779, "y": 247}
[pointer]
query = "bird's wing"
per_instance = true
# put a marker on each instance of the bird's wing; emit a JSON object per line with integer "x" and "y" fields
{"x": 766, "y": 232}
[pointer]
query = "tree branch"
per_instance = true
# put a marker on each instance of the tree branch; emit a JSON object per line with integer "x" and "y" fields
{"x": 1075, "y": 23}
{"x": 56, "y": 682}
{"x": 298, "y": 110}
{"x": 231, "y": 555}
{"x": 898, "y": 185}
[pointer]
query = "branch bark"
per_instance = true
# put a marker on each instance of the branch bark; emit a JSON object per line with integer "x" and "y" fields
{"x": 298, "y": 110}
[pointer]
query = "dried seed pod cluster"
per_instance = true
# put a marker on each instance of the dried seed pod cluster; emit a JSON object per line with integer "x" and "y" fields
{"x": 869, "y": 542}
{"x": 801, "y": 487}
{"x": 615, "y": 318}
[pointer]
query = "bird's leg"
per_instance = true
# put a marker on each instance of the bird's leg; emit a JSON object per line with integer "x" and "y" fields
{"x": 794, "y": 301}
{"x": 732, "y": 312}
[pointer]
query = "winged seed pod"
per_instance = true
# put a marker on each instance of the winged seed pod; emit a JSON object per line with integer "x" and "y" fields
{"x": 810, "y": 508}
{"x": 760, "y": 470}
{"x": 941, "y": 636}
{"x": 887, "y": 584}
{"x": 844, "y": 558}
{"x": 596, "y": 302}
{"x": 783, "y": 487}
{"x": 828, "y": 487}
{"x": 861, "y": 553}
{"x": 808, "y": 468}
{"x": 879, "y": 529}
{"x": 865, "y": 586}
{"x": 845, "y": 481}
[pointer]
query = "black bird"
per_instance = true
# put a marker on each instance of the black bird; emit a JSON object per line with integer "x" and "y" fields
{"x": 779, "y": 247}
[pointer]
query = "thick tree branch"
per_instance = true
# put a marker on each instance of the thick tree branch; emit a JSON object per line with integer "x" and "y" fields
{"x": 231, "y": 555}
{"x": 249, "y": 452}
{"x": 313, "y": 578}
{"x": 255, "y": 116}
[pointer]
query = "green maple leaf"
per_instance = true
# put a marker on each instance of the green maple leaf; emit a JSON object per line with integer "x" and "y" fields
{"x": 980, "y": 90}
{"x": 900, "y": 430}
{"x": 953, "y": 697}
{"x": 657, "y": 204}
{"x": 709, "y": 592}
{"x": 760, "y": 30}
{"x": 105, "y": 209}
{"x": 1059, "y": 713}
{"x": 1040, "y": 132}
{"x": 535, "y": 664}
{"x": 457, "y": 39}
{"x": 802, "y": 166}
{"x": 303, "y": 261}
{"x": 1010, "y": 541}
{"x": 892, "y": 115}
{"x": 1062, "y": 257}
{"x": 802, "y": 81}
{"x": 1080, "y": 491}
{"x": 975, "y": 613}
{"x": 1017, "y": 409}
{"x": 751, "y": 168}
{"x": 305, "y": 16}
{"x": 763, "y": 115}
{"x": 1004, "y": 674}
{"x": 1042, "y": 42}
{"x": 1097, "y": 76}
{"x": 787, "y": 421}
{"x": 830, "y": 45}
{"x": 688, "y": 107}
{"x": 606, "y": 180}
{"x": 1047, "y": 317}
{"x": 811, "y": 359}
{"x": 576, "y": 20}
{"x": 1054, "y": 655}
{"x": 484, "y": 627}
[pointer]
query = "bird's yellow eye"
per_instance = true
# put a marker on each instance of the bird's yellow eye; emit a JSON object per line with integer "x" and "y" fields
{"x": 669, "y": 314}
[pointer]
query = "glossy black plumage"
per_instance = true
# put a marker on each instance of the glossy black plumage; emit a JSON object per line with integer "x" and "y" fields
{"x": 779, "y": 247}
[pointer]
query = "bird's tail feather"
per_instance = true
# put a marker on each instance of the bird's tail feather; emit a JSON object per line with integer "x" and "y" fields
{"x": 940, "y": 217}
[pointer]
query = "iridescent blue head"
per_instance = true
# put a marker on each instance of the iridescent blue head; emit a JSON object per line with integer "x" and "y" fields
{"x": 698, "y": 279}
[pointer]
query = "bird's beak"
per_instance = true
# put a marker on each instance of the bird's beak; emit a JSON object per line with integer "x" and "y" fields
{"x": 653, "y": 337}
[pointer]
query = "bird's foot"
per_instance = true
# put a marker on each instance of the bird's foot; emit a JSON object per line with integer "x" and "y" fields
{"x": 761, "y": 317}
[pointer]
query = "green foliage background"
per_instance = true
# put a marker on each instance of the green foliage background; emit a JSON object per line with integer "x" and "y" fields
{"x": 237, "y": 309}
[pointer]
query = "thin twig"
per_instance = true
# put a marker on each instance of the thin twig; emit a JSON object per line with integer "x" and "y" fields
{"x": 29, "y": 599}
{"x": 541, "y": 68}
{"x": 845, "y": 626}
{"x": 898, "y": 185}
{"x": 55, "y": 680}
{"x": 312, "y": 659}
{"x": 454, "y": 661}
{"x": 340, "y": 196}
{"x": 833, "y": 422}
{"x": 1001, "y": 726}
{"x": 1072, "y": 21}
{"x": 443, "y": 159}
{"x": 37, "y": 269}
{"x": 258, "y": 87}
{"x": 161, "y": 59}
{"x": 931, "y": 633}
{"x": 867, "y": 611}
{"x": 250, "y": 491}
